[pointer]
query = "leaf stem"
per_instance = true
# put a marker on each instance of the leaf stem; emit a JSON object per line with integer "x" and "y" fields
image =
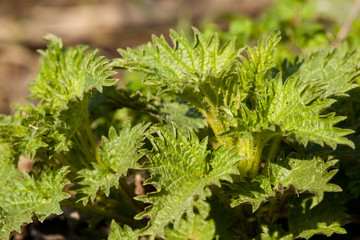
{"x": 128, "y": 199}
{"x": 83, "y": 147}
{"x": 252, "y": 149}
{"x": 272, "y": 153}
{"x": 217, "y": 126}
{"x": 91, "y": 137}
{"x": 255, "y": 164}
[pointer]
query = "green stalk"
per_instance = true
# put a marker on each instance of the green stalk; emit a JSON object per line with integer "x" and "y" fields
{"x": 252, "y": 149}
{"x": 272, "y": 209}
{"x": 90, "y": 136}
{"x": 255, "y": 164}
{"x": 272, "y": 153}
{"x": 94, "y": 146}
{"x": 245, "y": 147}
{"x": 128, "y": 199}
{"x": 217, "y": 126}
{"x": 83, "y": 146}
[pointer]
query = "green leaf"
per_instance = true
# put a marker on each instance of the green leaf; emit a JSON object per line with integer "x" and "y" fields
{"x": 209, "y": 221}
{"x": 197, "y": 225}
{"x": 336, "y": 70}
{"x": 182, "y": 114}
{"x": 254, "y": 191}
{"x": 119, "y": 153}
{"x": 68, "y": 73}
{"x": 243, "y": 98}
{"x": 90, "y": 181}
{"x": 201, "y": 73}
{"x": 123, "y": 145}
{"x": 297, "y": 106}
{"x": 22, "y": 197}
{"x": 325, "y": 218}
{"x": 273, "y": 233}
{"x": 31, "y": 129}
{"x": 305, "y": 175}
{"x": 181, "y": 168}
{"x": 170, "y": 66}
{"x": 63, "y": 85}
{"x": 118, "y": 233}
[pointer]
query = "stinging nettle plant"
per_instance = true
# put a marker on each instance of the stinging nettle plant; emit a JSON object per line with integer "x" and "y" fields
{"x": 226, "y": 137}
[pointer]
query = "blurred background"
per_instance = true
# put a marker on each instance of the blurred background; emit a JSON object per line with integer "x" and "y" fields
{"x": 112, "y": 24}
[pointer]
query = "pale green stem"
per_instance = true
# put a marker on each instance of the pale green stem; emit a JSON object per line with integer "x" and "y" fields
{"x": 94, "y": 147}
{"x": 245, "y": 148}
{"x": 84, "y": 147}
{"x": 217, "y": 127}
{"x": 255, "y": 164}
{"x": 252, "y": 149}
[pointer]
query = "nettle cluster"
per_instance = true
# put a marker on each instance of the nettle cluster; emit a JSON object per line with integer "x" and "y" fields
{"x": 233, "y": 146}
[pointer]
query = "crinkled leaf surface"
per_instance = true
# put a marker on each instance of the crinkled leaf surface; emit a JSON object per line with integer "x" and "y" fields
{"x": 28, "y": 134}
{"x": 68, "y": 73}
{"x": 181, "y": 168}
{"x": 253, "y": 191}
{"x": 336, "y": 69}
{"x": 296, "y": 107}
{"x": 170, "y": 66}
{"x": 120, "y": 233}
{"x": 64, "y": 82}
{"x": 22, "y": 196}
{"x": 119, "y": 153}
{"x": 194, "y": 226}
{"x": 201, "y": 73}
{"x": 163, "y": 108}
{"x": 179, "y": 112}
{"x": 305, "y": 175}
{"x": 242, "y": 97}
{"x": 209, "y": 221}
